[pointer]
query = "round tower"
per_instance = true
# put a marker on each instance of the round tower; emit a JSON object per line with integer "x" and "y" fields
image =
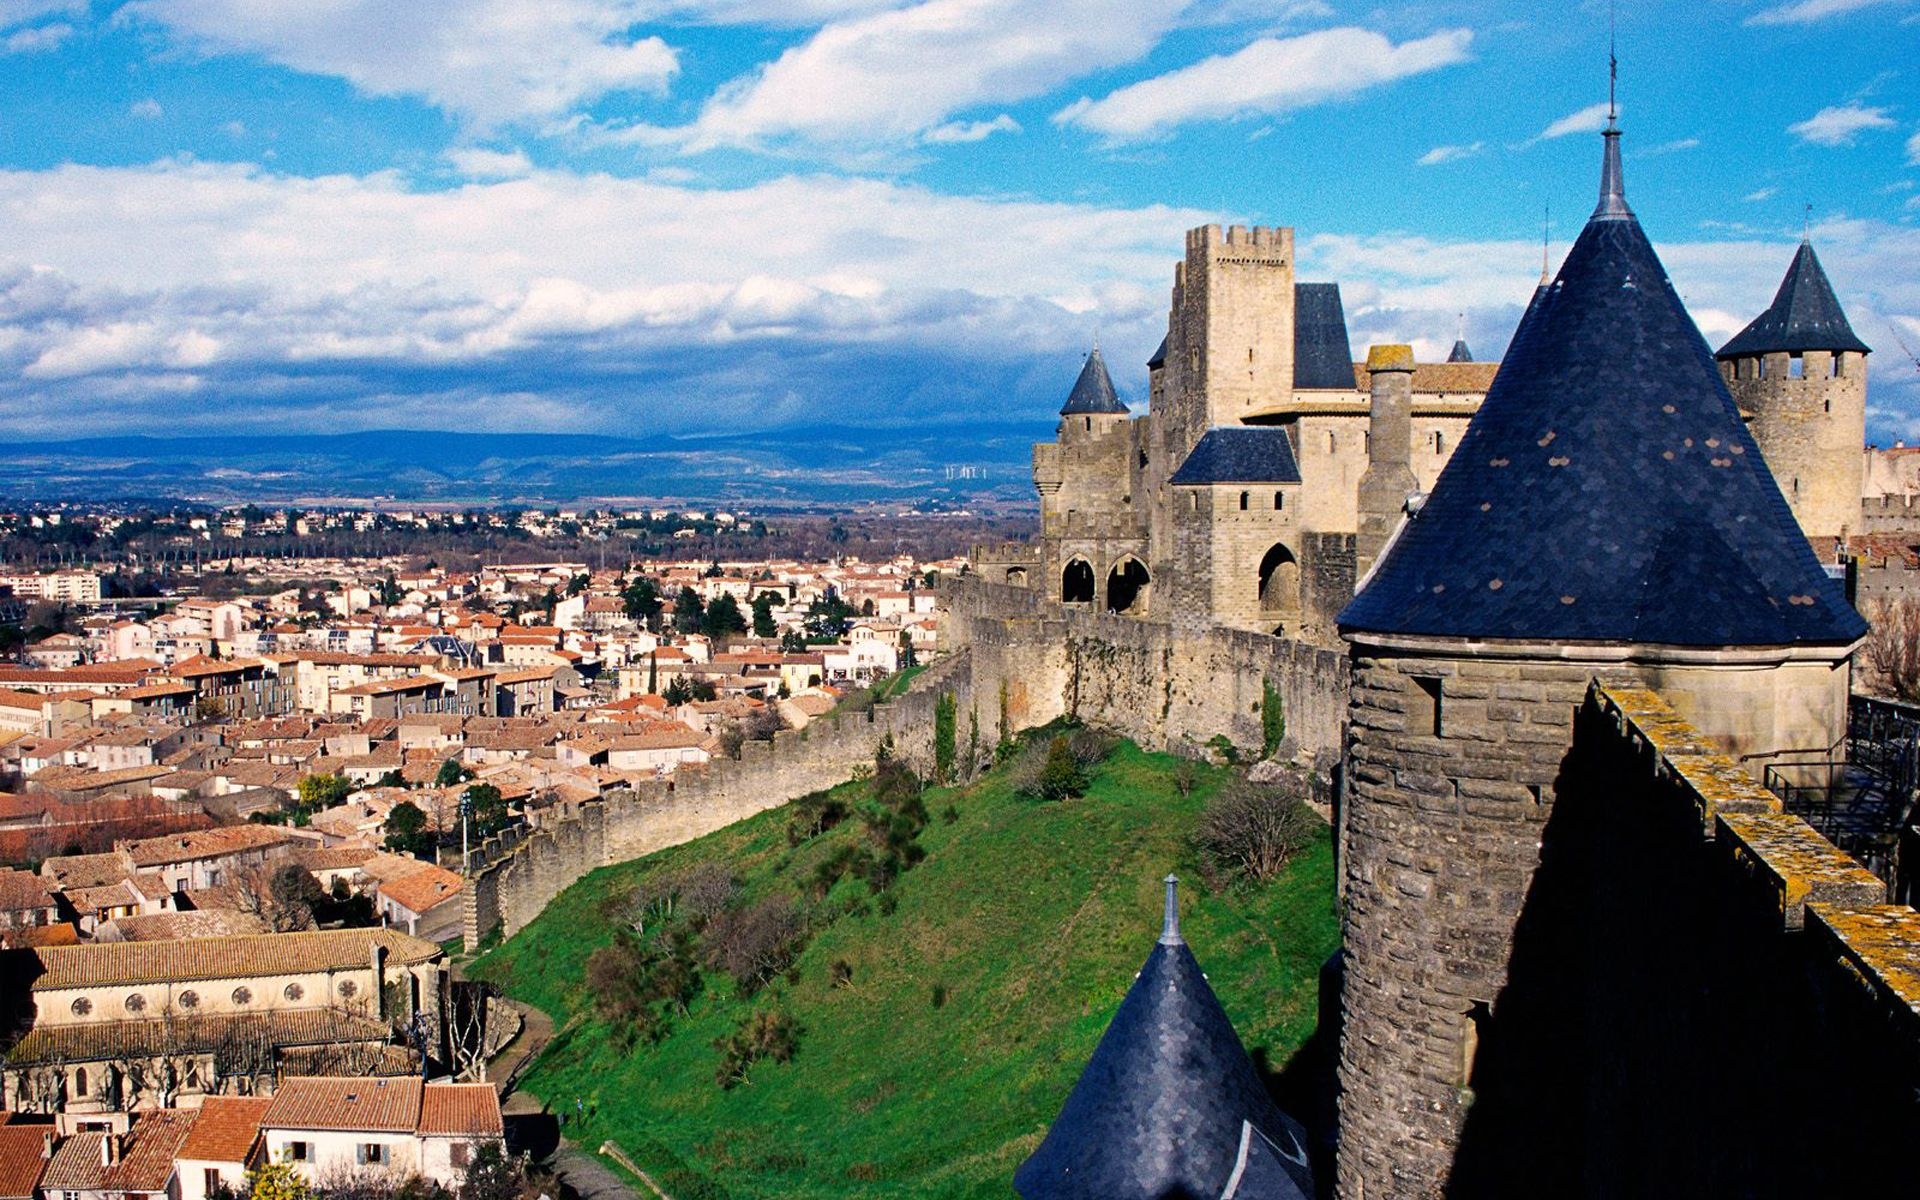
{"x": 1605, "y": 514}
{"x": 1799, "y": 375}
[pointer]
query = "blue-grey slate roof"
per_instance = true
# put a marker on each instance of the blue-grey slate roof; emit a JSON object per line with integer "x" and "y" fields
{"x": 1093, "y": 391}
{"x": 1240, "y": 454}
{"x": 1460, "y": 353}
{"x": 1607, "y": 489}
{"x": 1805, "y": 315}
{"x": 1159, "y": 358}
{"x": 1159, "y": 1111}
{"x": 1322, "y": 357}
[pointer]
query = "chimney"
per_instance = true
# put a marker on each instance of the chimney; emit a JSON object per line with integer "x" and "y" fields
{"x": 379, "y": 996}
{"x": 46, "y": 1144}
{"x": 1388, "y": 479}
{"x": 109, "y": 1149}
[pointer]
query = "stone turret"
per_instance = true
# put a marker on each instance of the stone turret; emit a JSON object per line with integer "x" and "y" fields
{"x": 1388, "y": 479}
{"x": 1606, "y": 512}
{"x": 1800, "y": 375}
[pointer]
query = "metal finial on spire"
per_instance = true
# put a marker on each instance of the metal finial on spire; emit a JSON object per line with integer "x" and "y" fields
{"x": 1613, "y": 188}
{"x": 1806, "y": 225}
{"x": 1170, "y": 931}
{"x": 1546, "y": 243}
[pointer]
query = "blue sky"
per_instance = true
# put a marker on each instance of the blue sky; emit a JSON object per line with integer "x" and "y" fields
{"x": 641, "y": 216}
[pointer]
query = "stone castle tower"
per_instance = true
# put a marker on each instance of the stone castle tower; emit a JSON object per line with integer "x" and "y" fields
{"x": 1608, "y": 513}
{"x": 1237, "y": 490}
{"x": 1801, "y": 374}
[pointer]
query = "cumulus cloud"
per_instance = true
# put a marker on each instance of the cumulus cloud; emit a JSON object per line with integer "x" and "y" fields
{"x": 1840, "y": 124}
{"x": 477, "y": 162}
{"x": 1447, "y": 154}
{"x": 891, "y": 77}
{"x": 246, "y": 299}
{"x": 1913, "y": 150}
{"x": 1759, "y": 194}
{"x": 1271, "y": 75}
{"x": 147, "y": 110}
{"x": 1808, "y": 12}
{"x": 1591, "y": 119}
{"x": 490, "y": 62}
{"x": 972, "y": 131}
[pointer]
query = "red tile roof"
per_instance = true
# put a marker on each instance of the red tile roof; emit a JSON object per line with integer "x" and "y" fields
{"x": 225, "y": 1129}
{"x": 385, "y": 1105}
{"x": 460, "y": 1110}
{"x": 21, "y": 1147}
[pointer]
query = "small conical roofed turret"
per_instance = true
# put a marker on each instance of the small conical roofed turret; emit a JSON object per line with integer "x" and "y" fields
{"x": 1460, "y": 353}
{"x": 1169, "y": 1105}
{"x": 1805, "y": 315}
{"x": 1093, "y": 391}
{"x": 1607, "y": 489}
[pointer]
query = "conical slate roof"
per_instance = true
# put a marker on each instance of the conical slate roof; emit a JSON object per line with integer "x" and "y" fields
{"x": 1093, "y": 391}
{"x": 1607, "y": 490}
{"x": 1322, "y": 357}
{"x": 1805, "y": 315}
{"x": 1159, "y": 358}
{"x": 1460, "y": 353}
{"x": 1163, "y": 1108}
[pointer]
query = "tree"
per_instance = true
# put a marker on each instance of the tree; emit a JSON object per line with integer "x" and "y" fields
{"x": 406, "y": 830}
{"x": 277, "y": 1181}
{"x": 393, "y": 779}
{"x": 492, "y": 1175}
{"x": 451, "y": 774}
{"x": 723, "y": 617}
{"x": 689, "y": 611}
{"x": 1061, "y": 777}
{"x": 642, "y": 602}
{"x": 763, "y": 623}
{"x": 324, "y": 791}
{"x": 1893, "y": 647}
{"x": 578, "y": 584}
{"x": 487, "y": 809}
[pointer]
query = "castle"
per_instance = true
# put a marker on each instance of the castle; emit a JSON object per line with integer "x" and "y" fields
{"x": 1261, "y": 482}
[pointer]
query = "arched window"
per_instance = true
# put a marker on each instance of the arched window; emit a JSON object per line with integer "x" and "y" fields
{"x": 79, "y": 1081}
{"x": 1279, "y": 501}
{"x": 1076, "y": 582}
{"x": 1243, "y": 501}
{"x": 1126, "y": 585}
{"x": 1439, "y": 442}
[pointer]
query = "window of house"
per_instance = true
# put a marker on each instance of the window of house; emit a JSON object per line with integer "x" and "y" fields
{"x": 1243, "y": 502}
{"x": 459, "y": 1153}
{"x": 294, "y": 991}
{"x": 189, "y": 999}
{"x": 348, "y": 987}
{"x": 79, "y": 1081}
{"x": 371, "y": 1154}
{"x": 1424, "y": 707}
{"x": 82, "y": 1006}
{"x": 136, "y": 1003}
{"x": 299, "y": 1151}
{"x": 1279, "y": 501}
{"x": 1439, "y": 442}
{"x": 243, "y": 996}
{"x": 212, "y": 1181}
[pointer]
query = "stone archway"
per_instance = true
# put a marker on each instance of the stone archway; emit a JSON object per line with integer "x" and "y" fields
{"x": 1279, "y": 581}
{"x": 1076, "y": 582}
{"x": 1127, "y": 586}
{"x": 1017, "y": 576}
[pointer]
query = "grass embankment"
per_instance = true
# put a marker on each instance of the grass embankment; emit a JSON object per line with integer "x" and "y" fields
{"x": 971, "y": 1008}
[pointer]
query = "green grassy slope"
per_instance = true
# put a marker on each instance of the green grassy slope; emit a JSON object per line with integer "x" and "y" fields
{"x": 1033, "y": 917}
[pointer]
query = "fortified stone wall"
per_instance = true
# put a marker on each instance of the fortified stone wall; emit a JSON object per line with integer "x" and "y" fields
{"x": 1698, "y": 995}
{"x": 1810, "y": 418}
{"x": 1165, "y": 687}
{"x": 512, "y": 879}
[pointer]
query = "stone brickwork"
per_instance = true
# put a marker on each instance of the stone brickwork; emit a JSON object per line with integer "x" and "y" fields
{"x": 1587, "y": 955}
{"x": 1810, "y": 420}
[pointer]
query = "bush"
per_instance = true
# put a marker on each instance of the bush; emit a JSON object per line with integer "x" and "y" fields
{"x": 1090, "y": 747}
{"x": 1061, "y": 777}
{"x": 1251, "y": 831}
{"x": 639, "y": 986}
{"x": 755, "y": 943}
{"x": 766, "y": 1034}
{"x": 812, "y": 815}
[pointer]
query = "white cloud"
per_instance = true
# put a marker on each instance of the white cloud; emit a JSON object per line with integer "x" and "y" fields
{"x": 22, "y": 12}
{"x": 38, "y": 38}
{"x": 1272, "y": 75}
{"x": 147, "y": 110}
{"x": 491, "y": 62}
{"x": 1447, "y": 154}
{"x": 1807, "y": 12}
{"x": 1673, "y": 147}
{"x": 1759, "y": 194}
{"x": 972, "y": 131}
{"x": 1840, "y": 124}
{"x": 1913, "y": 150}
{"x": 890, "y": 77}
{"x": 478, "y": 163}
{"x": 1591, "y": 119}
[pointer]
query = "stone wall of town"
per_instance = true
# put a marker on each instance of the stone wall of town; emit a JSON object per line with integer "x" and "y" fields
{"x": 1719, "y": 981}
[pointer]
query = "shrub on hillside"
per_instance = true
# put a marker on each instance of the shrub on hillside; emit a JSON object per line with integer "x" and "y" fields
{"x": 754, "y": 943}
{"x": 770, "y": 1033}
{"x": 812, "y": 815}
{"x": 640, "y": 985}
{"x": 1251, "y": 831}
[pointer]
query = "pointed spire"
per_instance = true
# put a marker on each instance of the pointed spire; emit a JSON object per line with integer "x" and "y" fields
{"x": 1170, "y": 929}
{"x": 1093, "y": 391}
{"x": 1613, "y": 186}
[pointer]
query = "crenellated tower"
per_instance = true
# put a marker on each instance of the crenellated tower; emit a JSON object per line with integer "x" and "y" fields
{"x": 1799, "y": 375}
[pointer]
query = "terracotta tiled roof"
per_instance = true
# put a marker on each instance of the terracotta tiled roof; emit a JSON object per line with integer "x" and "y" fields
{"x": 145, "y": 1163}
{"x": 224, "y": 958}
{"x": 423, "y": 889}
{"x": 460, "y": 1110}
{"x": 21, "y": 890}
{"x": 1466, "y": 377}
{"x": 85, "y": 870}
{"x": 104, "y": 1040}
{"x": 21, "y": 1147}
{"x": 225, "y": 1129}
{"x": 206, "y": 843}
{"x": 171, "y": 926}
{"x": 355, "y": 1105}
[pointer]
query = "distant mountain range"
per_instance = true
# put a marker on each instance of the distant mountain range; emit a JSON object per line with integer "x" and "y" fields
{"x": 812, "y": 465}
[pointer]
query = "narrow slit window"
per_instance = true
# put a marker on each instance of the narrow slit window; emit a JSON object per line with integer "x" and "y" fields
{"x": 1279, "y": 501}
{"x": 1243, "y": 502}
{"x": 1424, "y": 707}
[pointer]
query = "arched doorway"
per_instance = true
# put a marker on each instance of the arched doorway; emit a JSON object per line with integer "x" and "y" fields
{"x": 1127, "y": 586}
{"x": 1076, "y": 582}
{"x": 1279, "y": 581}
{"x": 1017, "y": 576}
